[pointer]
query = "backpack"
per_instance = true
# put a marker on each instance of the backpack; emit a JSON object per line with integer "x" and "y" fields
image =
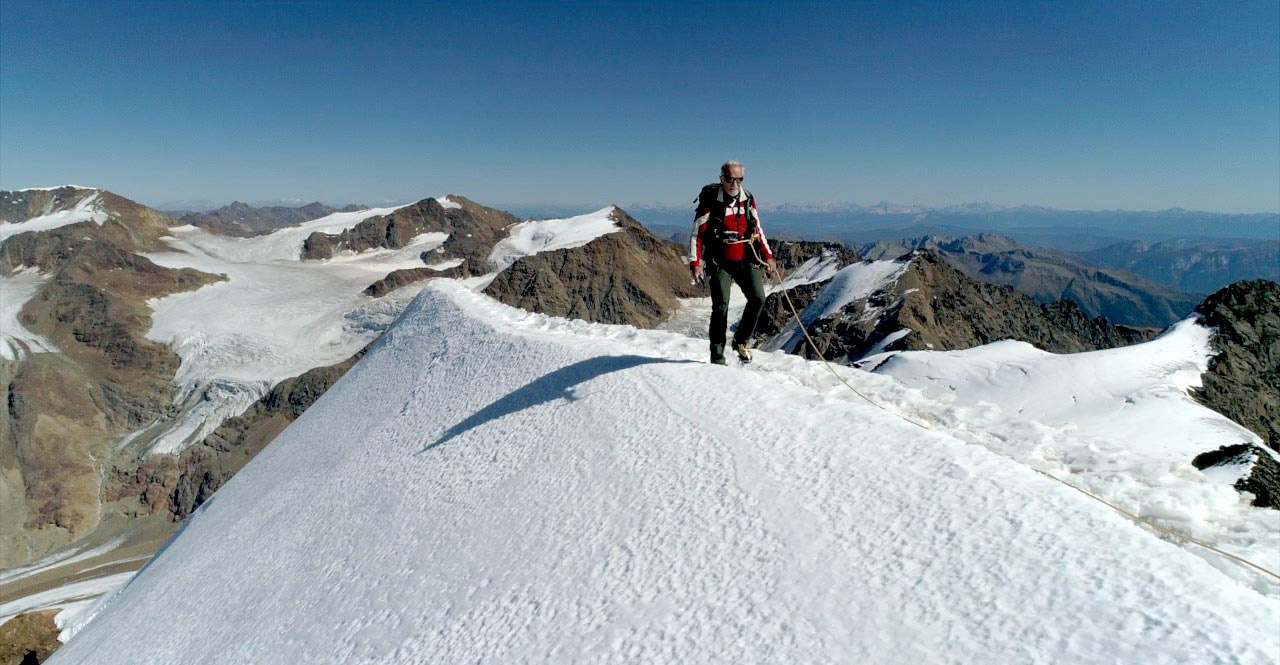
{"x": 714, "y": 241}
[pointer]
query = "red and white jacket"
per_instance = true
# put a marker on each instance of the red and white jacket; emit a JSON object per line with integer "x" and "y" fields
{"x": 734, "y": 211}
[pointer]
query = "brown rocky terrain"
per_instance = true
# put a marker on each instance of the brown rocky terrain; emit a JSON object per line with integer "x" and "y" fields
{"x": 29, "y": 638}
{"x": 945, "y": 309}
{"x": 106, "y": 379}
{"x": 629, "y": 276}
{"x": 1049, "y": 276}
{"x": 1243, "y": 381}
{"x": 243, "y": 220}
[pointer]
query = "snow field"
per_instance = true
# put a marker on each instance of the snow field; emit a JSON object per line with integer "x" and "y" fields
{"x": 1117, "y": 422}
{"x": 72, "y": 598}
{"x": 545, "y": 235}
{"x": 277, "y": 316}
{"x": 490, "y": 484}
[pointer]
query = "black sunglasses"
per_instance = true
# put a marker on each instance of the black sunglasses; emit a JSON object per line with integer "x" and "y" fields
{"x": 728, "y": 179}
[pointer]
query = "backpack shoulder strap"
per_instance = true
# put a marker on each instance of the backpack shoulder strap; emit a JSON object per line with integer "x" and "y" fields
{"x": 708, "y": 195}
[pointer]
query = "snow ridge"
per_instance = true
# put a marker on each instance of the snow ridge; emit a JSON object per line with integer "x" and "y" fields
{"x": 490, "y": 484}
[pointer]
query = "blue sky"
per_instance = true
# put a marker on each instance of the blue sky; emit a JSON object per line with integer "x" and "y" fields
{"x": 1074, "y": 105}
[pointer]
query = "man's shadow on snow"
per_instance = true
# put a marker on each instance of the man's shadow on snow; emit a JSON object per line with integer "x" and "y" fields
{"x": 547, "y": 388}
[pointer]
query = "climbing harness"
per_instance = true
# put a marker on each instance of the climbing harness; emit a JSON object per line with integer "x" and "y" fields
{"x": 1140, "y": 521}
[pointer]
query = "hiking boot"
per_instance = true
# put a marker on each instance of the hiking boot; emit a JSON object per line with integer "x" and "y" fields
{"x": 744, "y": 353}
{"x": 718, "y": 361}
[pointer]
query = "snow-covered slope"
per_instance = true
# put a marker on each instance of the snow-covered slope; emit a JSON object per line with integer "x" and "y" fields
{"x": 1119, "y": 422}
{"x": 545, "y": 235}
{"x": 492, "y": 485}
{"x": 87, "y": 209}
{"x": 15, "y": 290}
{"x": 856, "y": 281}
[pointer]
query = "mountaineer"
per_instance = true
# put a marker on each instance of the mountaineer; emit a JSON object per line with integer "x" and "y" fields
{"x": 727, "y": 244}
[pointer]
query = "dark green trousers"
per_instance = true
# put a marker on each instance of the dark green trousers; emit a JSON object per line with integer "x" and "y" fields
{"x": 748, "y": 275}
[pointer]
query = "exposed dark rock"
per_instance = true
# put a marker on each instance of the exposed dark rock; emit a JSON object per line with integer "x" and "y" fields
{"x": 1050, "y": 276}
{"x": 628, "y": 276}
{"x": 1263, "y": 479}
{"x": 1243, "y": 381}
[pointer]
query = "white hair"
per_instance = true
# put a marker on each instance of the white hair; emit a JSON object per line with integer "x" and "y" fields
{"x": 728, "y": 166}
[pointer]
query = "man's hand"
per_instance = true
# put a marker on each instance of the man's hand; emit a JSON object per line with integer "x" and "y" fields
{"x": 773, "y": 267}
{"x": 696, "y": 269}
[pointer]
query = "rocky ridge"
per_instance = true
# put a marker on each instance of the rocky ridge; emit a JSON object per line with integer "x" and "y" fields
{"x": 629, "y": 276}
{"x": 106, "y": 378}
{"x": 1243, "y": 381}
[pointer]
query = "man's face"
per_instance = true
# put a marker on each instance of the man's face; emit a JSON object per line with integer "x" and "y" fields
{"x": 733, "y": 181}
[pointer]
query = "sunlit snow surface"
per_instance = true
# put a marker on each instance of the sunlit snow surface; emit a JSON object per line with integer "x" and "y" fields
{"x": 88, "y": 209}
{"x": 498, "y": 486}
{"x": 1119, "y": 421}
{"x": 545, "y": 235}
{"x": 15, "y": 290}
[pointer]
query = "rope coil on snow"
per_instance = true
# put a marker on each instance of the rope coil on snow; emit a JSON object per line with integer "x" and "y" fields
{"x": 1172, "y": 533}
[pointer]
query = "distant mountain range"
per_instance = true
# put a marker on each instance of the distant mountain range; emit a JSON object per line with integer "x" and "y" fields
{"x": 1195, "y": 266}
{"x": 242, "y": 219}
{"x": 1073, "y": 230}
{"x": 1048, "y": 276}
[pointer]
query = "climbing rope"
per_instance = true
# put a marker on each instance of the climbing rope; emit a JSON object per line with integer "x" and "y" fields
{"x": 1172, "y": 533}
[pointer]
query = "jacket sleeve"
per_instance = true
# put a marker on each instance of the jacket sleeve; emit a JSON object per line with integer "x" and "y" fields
{"x": 762, "y": 243}
{"x": 695, "y": 238}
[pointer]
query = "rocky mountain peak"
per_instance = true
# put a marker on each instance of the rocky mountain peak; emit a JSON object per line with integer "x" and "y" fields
{"x": 630, "y": 276}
